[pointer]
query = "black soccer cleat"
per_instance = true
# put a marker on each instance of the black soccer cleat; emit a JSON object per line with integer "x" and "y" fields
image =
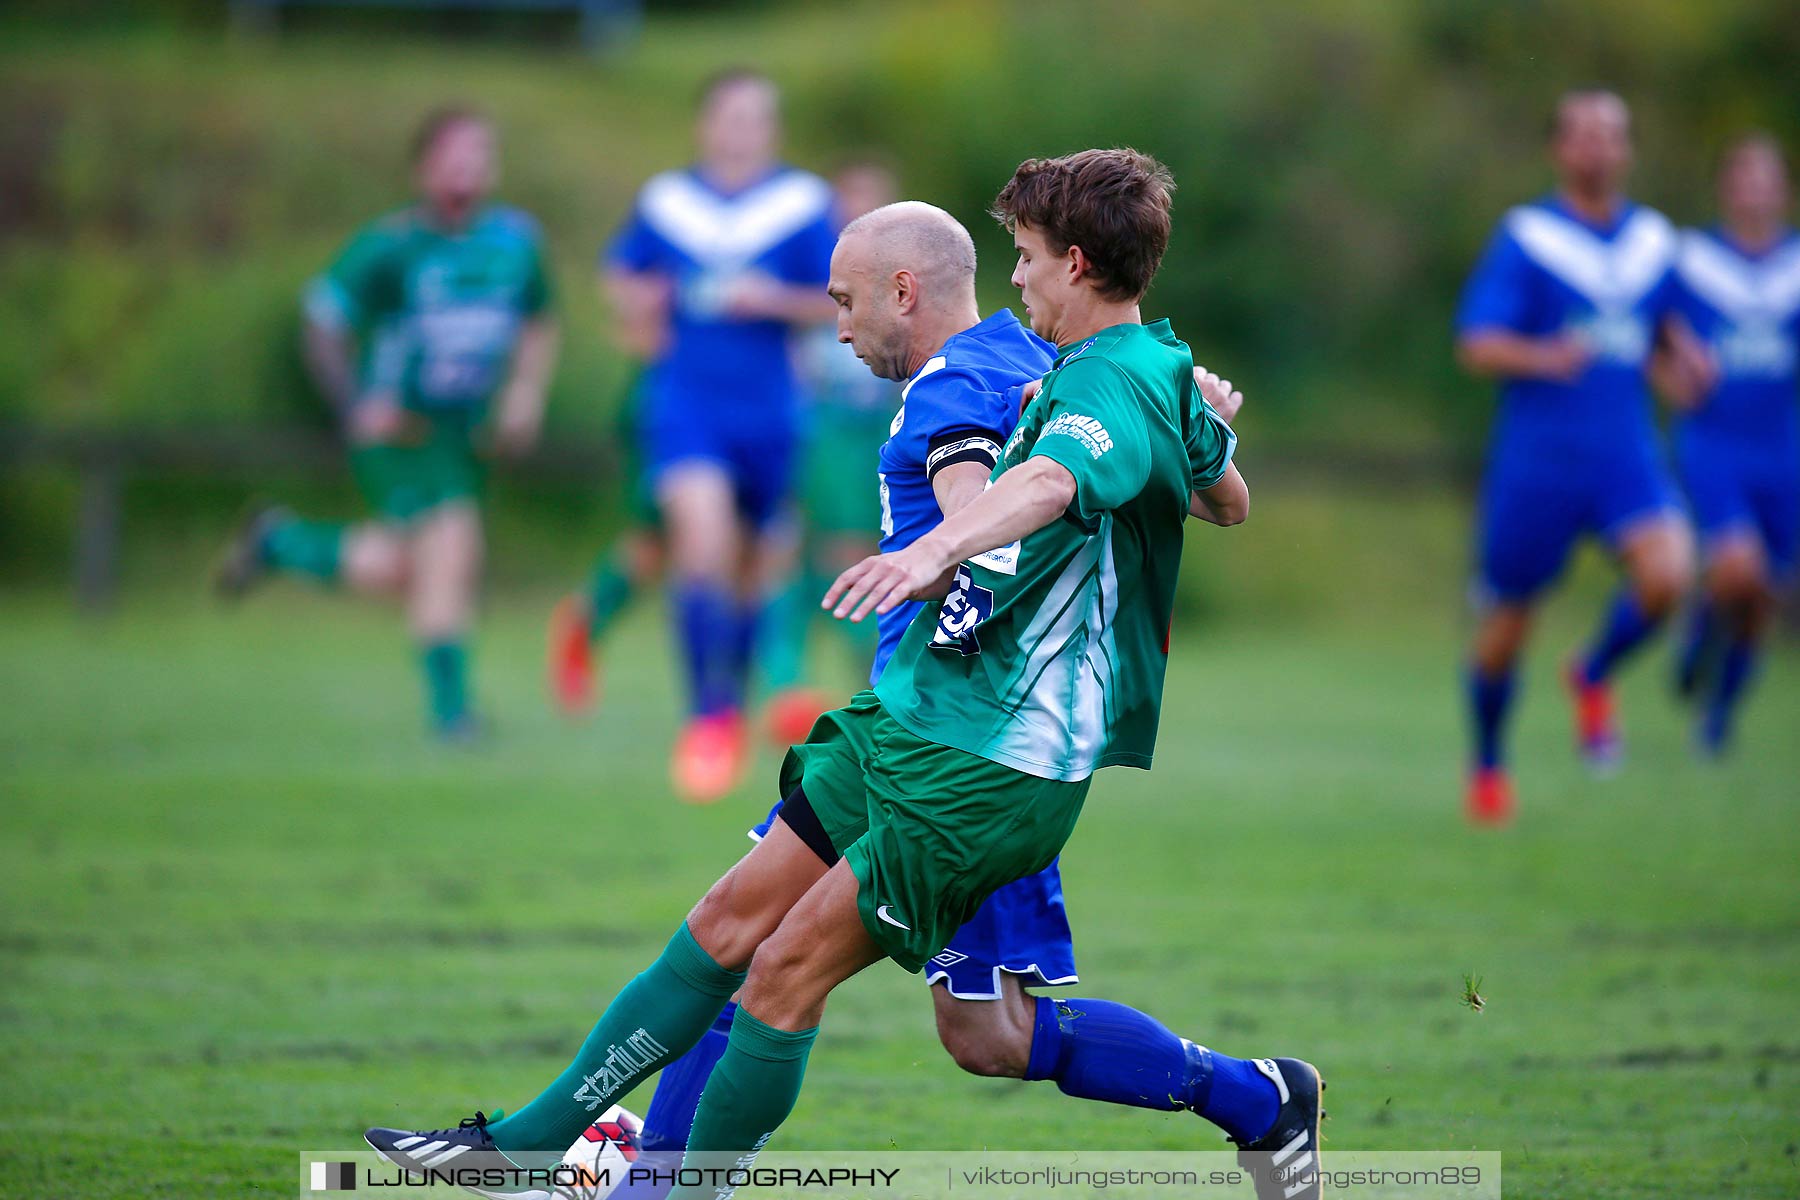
{"x": 241, "y": 567}
{"x": 1284, "y": 1163}
{"x": 468, "y": 1146}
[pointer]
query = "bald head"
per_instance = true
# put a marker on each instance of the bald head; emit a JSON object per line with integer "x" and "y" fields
{"x": 917, "y": 237}
{"x": 904, "y": 279}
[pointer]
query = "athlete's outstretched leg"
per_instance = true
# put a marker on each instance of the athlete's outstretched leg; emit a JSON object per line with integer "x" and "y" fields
{"x": 1492, "y": 681}
{"x": 447, "y": 551}
{"x": 706, "y": 554}
{"x": 1738, "y": 589}
{"x": 819, "y": 944}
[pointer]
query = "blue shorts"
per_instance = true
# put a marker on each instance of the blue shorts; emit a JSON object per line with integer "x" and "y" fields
{"x": 758, "y": 456}
{"x": 1532, "y": 512}
{"x": 1736, "y": 494}
{"x": 1022, "y": 929}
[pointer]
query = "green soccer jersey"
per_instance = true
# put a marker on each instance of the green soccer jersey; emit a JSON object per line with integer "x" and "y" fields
{"x": 1048, "y": 655}
{"x": 437, "y": 314}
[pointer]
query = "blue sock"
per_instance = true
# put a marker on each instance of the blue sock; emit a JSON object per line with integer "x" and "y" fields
{"x": 677, "y": 1095}
{"x": 446, "y": 666}
{"x": 747, "y": 619}
{"x": 1490, "y": 697}
{"x": 1099, "y": 1050}
{"x": 1627, "y": 627}
{"x": 1736, "y": 667}
{"x": 1697, "y": 647}
{"x": 704, "y": 621}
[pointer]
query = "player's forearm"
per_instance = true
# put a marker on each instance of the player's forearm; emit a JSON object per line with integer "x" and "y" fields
{"x": 640, "y": 304}
{"x": 1021, "y": 502}
{"x": 1498, "y": 355}
{"x": 331, "y": 361}
{"x": 1226, "y": 502}
{"x": 534, "y": 361}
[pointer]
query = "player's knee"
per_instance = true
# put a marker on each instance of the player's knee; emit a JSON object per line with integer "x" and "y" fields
{"x": 730, "y": 935}
{"x": 979, "y": 1039}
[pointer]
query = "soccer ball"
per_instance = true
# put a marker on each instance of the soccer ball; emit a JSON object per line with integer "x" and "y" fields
{"x": 601, "y": 1156}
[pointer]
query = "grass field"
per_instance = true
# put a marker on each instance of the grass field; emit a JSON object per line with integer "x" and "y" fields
{"x": 247, "y": 911}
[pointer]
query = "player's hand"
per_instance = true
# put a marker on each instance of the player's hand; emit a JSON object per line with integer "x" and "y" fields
{"x": 882, "y": 582}
{"x": 1225, "y": 399}
{"x": 754, "y": 295}
{"x": 1029, "y": 392}
{"x": 1563, "y": 358}
{"x": 380, "y": 421}
{"x": 514, "y": 434}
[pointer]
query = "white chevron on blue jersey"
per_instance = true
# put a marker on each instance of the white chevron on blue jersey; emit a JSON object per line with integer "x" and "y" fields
{"x": 712, "y": 229}
{"x": 1610, "y": 274}
{"x": 1741, "y": 288}
{"x": 932, "y": 365}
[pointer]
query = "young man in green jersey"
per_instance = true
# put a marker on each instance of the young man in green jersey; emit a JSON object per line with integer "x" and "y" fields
{"x": 1041, "y": 660}
{"x": 432, "y": 336}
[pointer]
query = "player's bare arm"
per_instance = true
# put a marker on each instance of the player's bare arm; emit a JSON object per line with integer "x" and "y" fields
{"x": 1021, "y": 502}
{"x": 521, "y": 409}
{"x": 1682, "y": 368}
{"x": 1226, "y": 502}
{"x": 756, "y": 296}
{"x": 330, "y": 352}
{"x": 640, "y": 306}
{"x": 1500, "y": 354}
{"x": 959, "y": 485}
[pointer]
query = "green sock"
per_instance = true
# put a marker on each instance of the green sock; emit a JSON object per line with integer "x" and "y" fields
{"x": 781, "y": 640}
{"x": 654, "y": 1019}
{"x": 310, "y": 548}
{"x": 446, "y": 665}
{"x": 610, "y": 589}
{"x": 750, "y": 1093}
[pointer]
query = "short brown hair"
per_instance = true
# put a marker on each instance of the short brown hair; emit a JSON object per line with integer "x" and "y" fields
{"x": 440, "y": 121}
{"x": 1114, "y": 204}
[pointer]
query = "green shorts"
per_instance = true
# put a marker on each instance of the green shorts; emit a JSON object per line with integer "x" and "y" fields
{"x": 840, "y": 490}
{"x": 402, "y": 481}
{"x": 930, "y": 832}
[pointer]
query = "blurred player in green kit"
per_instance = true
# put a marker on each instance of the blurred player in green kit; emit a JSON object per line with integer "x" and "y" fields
{"x": 431, "y": 335}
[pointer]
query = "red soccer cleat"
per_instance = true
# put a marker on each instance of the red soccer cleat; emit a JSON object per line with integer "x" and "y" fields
{"x": 791, "y": 714}
{"x": 1490, "y": 797}
{"x": 571, "y": 657}
{"x": 1596, "y": 722}
{"x": 710, "y": 758}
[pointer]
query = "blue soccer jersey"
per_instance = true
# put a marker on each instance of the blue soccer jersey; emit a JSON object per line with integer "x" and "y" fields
{"x": 1546, "y": 272}
{"x": 1581, "y": 456}
{"x": 1739, "y": 450}
{"x": 704, "y": 240}
{"x": 960, "y": 406}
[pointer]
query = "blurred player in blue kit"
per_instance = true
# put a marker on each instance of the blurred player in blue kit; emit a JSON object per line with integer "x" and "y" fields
{"x": 1571, "y": 297}
{"x": 1738, "y": 446}
{"x": 727, "y": 257}
{"x": 848, "y": 412}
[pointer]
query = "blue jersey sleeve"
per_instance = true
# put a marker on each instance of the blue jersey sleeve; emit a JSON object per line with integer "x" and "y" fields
{"x": 636, "y": 247}
{"x": 952, "y": 417}
{"x": 1500, "y": 291}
